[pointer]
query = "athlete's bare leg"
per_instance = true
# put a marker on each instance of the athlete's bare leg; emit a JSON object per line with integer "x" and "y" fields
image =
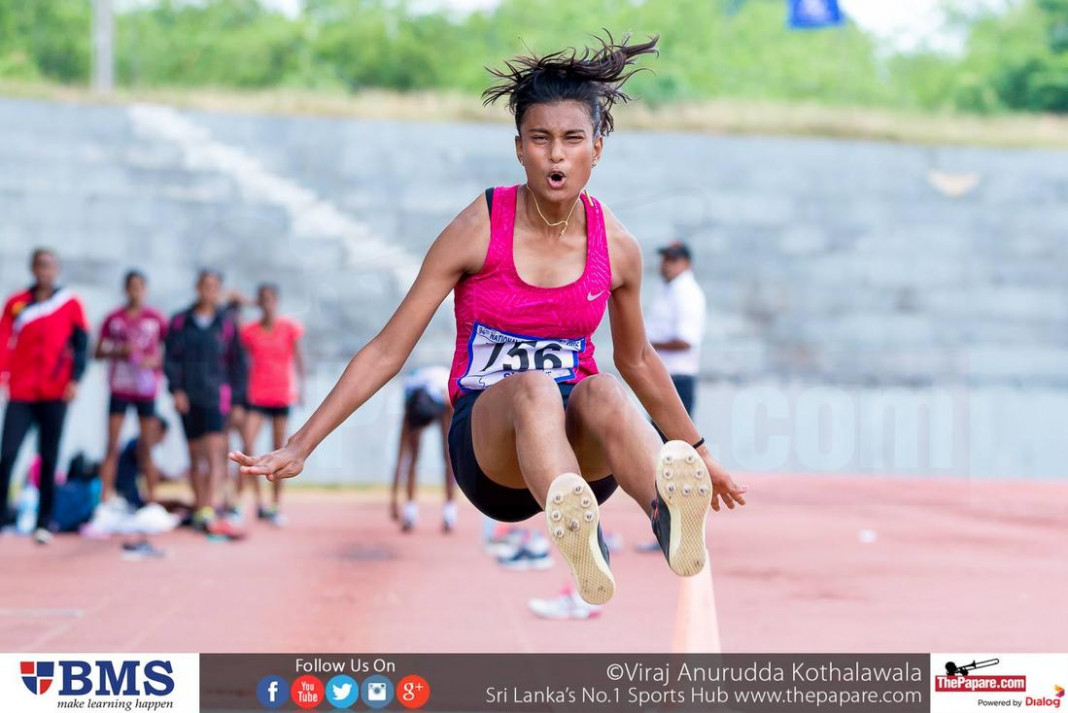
{"x": 450, "y": 478}
{"x": 415, "y": 439}
{"x": 249, "y": 433}
{"x": 198, "y": 472}
{"x": 522, "y": 435}
{"x": 610, "y": 435}
{"x": 149, "y": 433}
{"x": 402, "y": 455}
{"x": 523, "y": 438}
{"x": 517, "y": 428}
{"x": 109, "y": 466}
{"x": 229, "y": 482}
{"x": 215, "y": 453}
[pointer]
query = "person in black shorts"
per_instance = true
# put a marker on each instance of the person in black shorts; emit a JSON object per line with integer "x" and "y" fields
{"x": 206, "y": 372}
{"x": 538, "y": 427}
{"x": 276, "y": 382}
{"x": 426, "y": 401}
{"x": 236, "y": 419}
{"x": 131, "y": 341}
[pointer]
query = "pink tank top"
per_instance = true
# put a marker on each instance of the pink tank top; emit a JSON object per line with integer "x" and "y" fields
{"x": 505, "y": 326}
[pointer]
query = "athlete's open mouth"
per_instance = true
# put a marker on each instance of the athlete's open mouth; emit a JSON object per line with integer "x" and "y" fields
{"x": 556, "y": 178}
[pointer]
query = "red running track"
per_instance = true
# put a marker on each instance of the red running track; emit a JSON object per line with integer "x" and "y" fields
{"x": 953, "y": 566}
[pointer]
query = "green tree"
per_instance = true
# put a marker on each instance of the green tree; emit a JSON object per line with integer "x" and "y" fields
{"x": 1014, "y": 60}
{"x": 45, "y": 37}
{"x": 235, "y": 43}
{"x": 1018, "y": 60}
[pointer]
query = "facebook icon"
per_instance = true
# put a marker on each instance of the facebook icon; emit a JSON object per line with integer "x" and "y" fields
{"x": 272, "y": 691}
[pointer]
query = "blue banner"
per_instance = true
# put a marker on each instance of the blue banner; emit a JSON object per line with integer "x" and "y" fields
{"x": 814, "y": 14}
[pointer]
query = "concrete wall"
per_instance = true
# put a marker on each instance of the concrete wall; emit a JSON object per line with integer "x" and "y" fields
{"x": 926, "y": 333}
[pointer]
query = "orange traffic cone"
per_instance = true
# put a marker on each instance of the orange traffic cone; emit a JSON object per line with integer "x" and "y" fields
{"x": 696, "y": 624}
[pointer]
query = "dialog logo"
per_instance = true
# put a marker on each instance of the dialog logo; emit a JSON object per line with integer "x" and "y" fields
{"x": 377, "y": 691}
{"x": 273, "y": 692}
{"x": 307, "y": 692}
{"x": 1055, "y": 702}
{"x": 342, "y": 691}
{"x": 37, "y": 675}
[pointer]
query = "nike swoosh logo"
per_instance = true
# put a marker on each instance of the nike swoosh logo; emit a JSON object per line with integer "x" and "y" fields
{"x": 591, "y": 297}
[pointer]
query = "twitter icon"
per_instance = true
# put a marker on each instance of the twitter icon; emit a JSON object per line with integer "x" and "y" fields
{"x": 342, "y": 691}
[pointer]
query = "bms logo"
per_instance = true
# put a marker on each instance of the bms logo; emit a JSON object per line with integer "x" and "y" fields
{"x": 100, "y": 678}
{"x": 37, "y": 675}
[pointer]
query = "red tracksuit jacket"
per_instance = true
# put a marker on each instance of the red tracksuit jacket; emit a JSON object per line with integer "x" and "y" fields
{"x": 43, "y": 345}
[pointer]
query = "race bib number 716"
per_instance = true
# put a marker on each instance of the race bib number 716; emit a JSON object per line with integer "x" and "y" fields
{"x": 496, "y": 355}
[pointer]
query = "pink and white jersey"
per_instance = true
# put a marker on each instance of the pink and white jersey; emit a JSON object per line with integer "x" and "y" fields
{"x": 135, "y": 376}
{"x": 505, "y": 326}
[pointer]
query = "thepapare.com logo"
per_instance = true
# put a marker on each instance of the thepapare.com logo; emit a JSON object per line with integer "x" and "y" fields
{"x": 128, "y": 681}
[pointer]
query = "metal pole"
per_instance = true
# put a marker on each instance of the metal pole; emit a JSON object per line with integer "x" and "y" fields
{"x": 103, "y": 47}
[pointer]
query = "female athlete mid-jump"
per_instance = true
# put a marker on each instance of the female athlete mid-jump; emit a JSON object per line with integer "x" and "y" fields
{"x": 533, "y": 267}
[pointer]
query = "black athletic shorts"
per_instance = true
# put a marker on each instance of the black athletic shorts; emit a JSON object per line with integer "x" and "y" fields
{"x": 271, "y": 411}
{"x": 497, "y": 501}
{"x": 686, "y": 385}
{"x": 421, "y": 409}
{"x": 118, "y": 405}
{"x": 200, "y": 421}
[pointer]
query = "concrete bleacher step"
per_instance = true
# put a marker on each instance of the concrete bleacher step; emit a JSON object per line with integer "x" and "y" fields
{"x": 815, "y": 254}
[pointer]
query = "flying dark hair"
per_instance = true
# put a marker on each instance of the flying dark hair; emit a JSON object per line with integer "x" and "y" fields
{"x": 593, "y": 78}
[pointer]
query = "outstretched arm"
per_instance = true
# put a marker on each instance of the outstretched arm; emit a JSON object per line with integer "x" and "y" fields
{"x": 642, "y": 369}
{"x": 459, "y": 250}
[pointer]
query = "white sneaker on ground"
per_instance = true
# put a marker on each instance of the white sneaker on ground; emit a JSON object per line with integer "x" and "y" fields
{"x": 525, "y": 559}
{"x": 235, "y": 516}
{"x": 567, "y": 605}
{"x": 505, "y": 542}
{"x": 448, "y": 517}
{"x": 153, "y": 519}
{"x": 110, "y": 517}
